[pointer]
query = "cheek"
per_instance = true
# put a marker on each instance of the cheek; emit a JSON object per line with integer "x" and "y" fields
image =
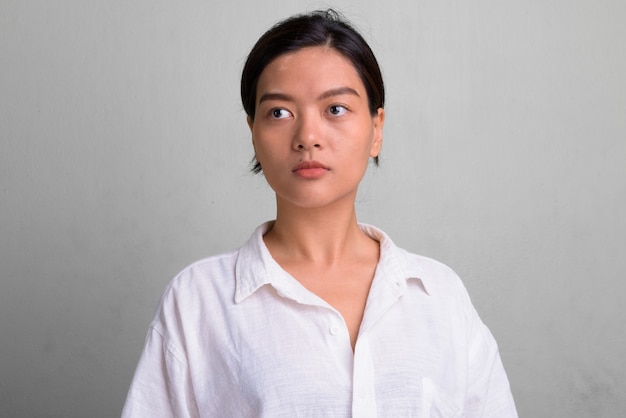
{"x": 268, "y": 156}
{"x": 260, "y": 146}
{"x": 272, "y": 177}
{"x": 364, "y": 145}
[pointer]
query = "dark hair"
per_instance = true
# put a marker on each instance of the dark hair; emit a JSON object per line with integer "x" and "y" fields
{"x": 318, "y": 28}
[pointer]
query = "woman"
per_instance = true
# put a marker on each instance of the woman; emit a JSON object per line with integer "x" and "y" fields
{"x": 317, "y": 315}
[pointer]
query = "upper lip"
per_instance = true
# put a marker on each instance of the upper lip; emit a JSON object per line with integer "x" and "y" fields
{"x": 309, "y": 164}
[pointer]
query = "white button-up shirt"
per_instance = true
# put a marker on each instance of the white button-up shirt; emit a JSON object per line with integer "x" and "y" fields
{"x": 236, "y": 336}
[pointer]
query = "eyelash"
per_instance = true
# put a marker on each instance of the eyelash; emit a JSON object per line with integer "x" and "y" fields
{"x": 273, "y": 113}
{"x": 278, "y": 109}
{"x": 342, "y": 107}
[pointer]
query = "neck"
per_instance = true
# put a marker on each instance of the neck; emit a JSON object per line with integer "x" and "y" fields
{"x": 320, "y": 235}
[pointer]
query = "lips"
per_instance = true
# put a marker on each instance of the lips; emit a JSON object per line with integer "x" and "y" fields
{"x": 308, "y": 165}
{"x": 310, "y": 169}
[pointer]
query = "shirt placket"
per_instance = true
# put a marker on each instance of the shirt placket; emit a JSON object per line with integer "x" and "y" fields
{"x": 363, "y": 389}
{"x": 386, "y": 289}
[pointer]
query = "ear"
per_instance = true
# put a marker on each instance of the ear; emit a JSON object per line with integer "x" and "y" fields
{"x": 378, "y": 121}
{"x": 250, "y": 123}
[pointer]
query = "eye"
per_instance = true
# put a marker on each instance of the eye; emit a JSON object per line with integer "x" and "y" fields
{"x": 280, "y": 113}
{"x": 337, "y": 110}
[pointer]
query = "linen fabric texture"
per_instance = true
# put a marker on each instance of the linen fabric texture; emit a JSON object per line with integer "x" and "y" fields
{"x": 237, "y": 336}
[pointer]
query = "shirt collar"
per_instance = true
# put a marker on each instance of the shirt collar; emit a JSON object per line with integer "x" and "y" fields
{"x": 255, "y": 266}
{"x": 396, "y": 265}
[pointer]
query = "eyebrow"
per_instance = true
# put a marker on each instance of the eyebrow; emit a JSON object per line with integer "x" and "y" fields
{"x": 329, "y": 93}
{"x": 338, "y": 92}
{"x": 275, "y": 96}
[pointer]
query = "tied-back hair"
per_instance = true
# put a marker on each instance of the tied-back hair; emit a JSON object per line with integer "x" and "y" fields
{"x": 319, "y": 28}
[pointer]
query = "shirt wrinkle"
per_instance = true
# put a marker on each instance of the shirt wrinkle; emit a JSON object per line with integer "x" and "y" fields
{"x": 168, "y": 346}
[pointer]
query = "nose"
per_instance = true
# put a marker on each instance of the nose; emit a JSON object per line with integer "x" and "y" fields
{"x": 307, "y": 134}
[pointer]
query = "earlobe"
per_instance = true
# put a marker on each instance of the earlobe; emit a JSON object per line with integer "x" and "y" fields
{"x": 377, "y": 139}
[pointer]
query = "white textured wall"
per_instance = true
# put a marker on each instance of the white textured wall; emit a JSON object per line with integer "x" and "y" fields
{"x": 124, "y": 157}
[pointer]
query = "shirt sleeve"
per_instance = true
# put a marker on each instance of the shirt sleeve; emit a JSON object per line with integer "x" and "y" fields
{"x": 161, "y": 384}
{"x": 489, "y": 393}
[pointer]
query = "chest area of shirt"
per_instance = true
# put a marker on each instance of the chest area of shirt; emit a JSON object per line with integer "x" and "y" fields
{"x": 300, "y": 356}
{"x": 277, "y": 340}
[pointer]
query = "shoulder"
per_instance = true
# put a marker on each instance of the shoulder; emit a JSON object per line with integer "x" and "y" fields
{"x": 208, "y": 287}
{"x": 205, "y": 272}
{"x": 435, "y": 276}
{"x": 413, "y": 265}
{"x": 199, "y": 288}
{"x": 430, "y": 268}
{"x": 438, "y": 278}
{"x": 216, "y": 268}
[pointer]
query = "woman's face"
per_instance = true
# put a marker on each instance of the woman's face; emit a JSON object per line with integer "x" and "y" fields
{"x": 313, "y": 132}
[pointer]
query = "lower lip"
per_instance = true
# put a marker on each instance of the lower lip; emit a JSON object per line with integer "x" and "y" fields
{"x": 310, "y": 173}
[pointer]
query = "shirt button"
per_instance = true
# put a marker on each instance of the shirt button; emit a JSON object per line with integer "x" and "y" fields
{"x": 334, "y": 330}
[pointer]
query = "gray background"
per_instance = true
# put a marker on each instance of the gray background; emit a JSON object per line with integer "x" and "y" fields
{"x": 124, "y": 157}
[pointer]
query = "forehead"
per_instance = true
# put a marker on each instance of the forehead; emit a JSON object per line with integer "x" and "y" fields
{"x": 313, "y": 67}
